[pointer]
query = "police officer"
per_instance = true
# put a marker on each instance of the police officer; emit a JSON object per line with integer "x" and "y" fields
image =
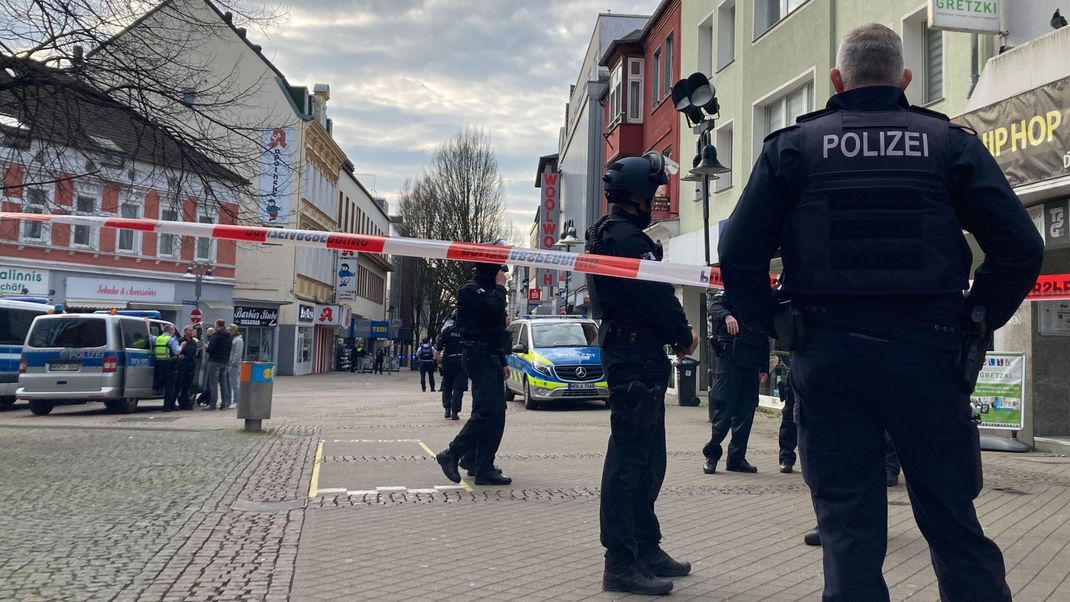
{"x": 165, "y": 349}
{"x": 638, "y": 319}
{"x": 454, "y": 380}
{"x": 742, "y": 366}
{"x": 481, "y": 322}
{"x": 867, "y": 200}
{"x": 425, "y": 353}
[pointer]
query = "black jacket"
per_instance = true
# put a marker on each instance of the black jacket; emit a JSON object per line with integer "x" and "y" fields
{"x": 481, "y": 315}
{"x": 983, "y": 201}
{"x": 219, "y": 347}
{"x": 749, "y": 349}
{"x": 449, "y": 341}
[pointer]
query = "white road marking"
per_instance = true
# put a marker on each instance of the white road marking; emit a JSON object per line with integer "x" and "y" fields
{"x": 388, "y": 490}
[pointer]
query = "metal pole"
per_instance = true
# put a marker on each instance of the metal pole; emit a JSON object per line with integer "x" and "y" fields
{"x": 702, "y": 141}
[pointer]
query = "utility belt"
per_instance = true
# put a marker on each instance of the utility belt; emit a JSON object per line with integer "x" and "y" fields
{"x": 611, "y": 334}
{"x": 481, "y": 346}
{"x": 794, "y": 324}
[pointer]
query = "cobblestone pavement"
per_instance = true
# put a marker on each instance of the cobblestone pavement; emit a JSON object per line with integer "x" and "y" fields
{"x": 185, "y": 507}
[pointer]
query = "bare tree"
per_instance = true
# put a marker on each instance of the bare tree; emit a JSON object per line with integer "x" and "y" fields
{"x": 65, "y": 62}
{"x": 459, "y": 198}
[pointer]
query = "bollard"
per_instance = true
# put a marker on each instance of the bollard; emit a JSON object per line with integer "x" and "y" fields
{"x": 254, "y": 394}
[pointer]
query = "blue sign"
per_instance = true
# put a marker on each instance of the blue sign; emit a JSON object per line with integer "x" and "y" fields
{"x": 380, "y": 330}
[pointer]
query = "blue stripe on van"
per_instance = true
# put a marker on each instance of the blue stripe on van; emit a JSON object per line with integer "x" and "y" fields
{"x": 38, "y": 359}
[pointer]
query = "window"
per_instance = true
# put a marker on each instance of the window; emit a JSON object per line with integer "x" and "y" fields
{"x": 128, "y": 239}
{"x": 85, "y": 203}
{"x": 705, "y": 46}
{"x": 655, "y": 82}
{"x": 934, "y": 63}
{"x": 564, "y": 334}
{"x": 723, "y": 141}
{"x": 68, "y": 332}
{"x": 786, "y": 109}
{"x": 768, "y": 13}
{"x": 35, "y": 200}
{"x": 205, "y": 246}
{"x": 14, "y": 324}
{"x": 304, "y": 344}
{"x": 614, "y": 95}
{"x": 635, "y": 91}
{"x": 666, "y": 71}
{"x": 135, "y": 334}
{"x": 726, "y": 34}
{"x": 168, "y": 243}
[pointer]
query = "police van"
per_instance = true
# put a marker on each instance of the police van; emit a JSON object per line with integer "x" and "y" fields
{"x": 555, "y": 358}
{"x": 16, "y": 315}
{"x": 78, "y": 358}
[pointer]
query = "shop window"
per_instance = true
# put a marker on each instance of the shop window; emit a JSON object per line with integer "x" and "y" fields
{"x": 304, "y": 344}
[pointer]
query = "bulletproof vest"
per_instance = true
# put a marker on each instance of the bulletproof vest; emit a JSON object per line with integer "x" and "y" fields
{"x": 596, "y": 245}
{"x": 874, "y": 214}
{"x": 608, "y": 299}
{"x": 477, "y": 323}
{"x": 426, "y": 353}
{"x": 451, "y": 341}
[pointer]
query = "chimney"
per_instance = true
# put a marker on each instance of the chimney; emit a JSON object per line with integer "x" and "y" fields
{"x": 228, "y": 17}
{"x": 321, "y": 93}
{"x": 77, "y": 56}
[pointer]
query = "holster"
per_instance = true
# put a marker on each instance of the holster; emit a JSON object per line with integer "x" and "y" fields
{"x": 790, "y": 327}
{"x": 638, "y": 410}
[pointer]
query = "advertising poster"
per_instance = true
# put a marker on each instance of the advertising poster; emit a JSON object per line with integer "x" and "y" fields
{"x": 1000, "y": 391}
{"x": 276, "y": 176}
{"x": 345, "y": 280}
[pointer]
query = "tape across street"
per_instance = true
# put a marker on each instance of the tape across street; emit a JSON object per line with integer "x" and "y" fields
{"x": 1052, "y": 286}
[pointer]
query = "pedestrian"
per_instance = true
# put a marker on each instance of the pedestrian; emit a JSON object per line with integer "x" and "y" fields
{"x": 742, "y": 367}
{"x": 380, "y": 357}
{"x": 165, "y": 349}
{"x": 425, "y": 353}
{"x": 867, "y": 201}
{"x": 448, "y": 351}
{"x": 481, "y": 322}
{"x": 237, "y": 351}
{"x": 202, "y": 366}
{"x": 639, "y": 318}
{"x": 218, "y": 358}
{"x": 187, "y": 367}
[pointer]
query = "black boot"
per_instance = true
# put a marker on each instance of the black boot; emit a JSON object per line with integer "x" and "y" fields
{"x": 629, "y": 576}
{"x": 740, "y": 466}
{"x": 455, "y": 416}
{"x": 662, "y": 565}
{"x": 493, "y": 478}
{"x": 449, "y": 413}
{"x": 710, "y": 467}
{"x": 449, "y": 465}
{"x": 812, "y": 538}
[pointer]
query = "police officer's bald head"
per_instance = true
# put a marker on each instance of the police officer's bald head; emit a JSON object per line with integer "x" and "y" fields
{"x": 870, "y": 55}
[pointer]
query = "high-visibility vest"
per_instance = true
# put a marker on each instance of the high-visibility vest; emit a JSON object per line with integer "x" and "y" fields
{"x": 160, "y": 348}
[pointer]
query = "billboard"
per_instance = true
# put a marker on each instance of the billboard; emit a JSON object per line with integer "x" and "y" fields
{"x": 345, "y": 276}
{"x": 276, "y": 176}
{"x": 1000, "y": 392}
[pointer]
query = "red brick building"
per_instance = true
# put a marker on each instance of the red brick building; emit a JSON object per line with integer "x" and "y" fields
{"x": 639, "y": 113}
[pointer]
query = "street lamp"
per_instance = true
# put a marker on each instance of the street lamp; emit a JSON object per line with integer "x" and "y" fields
{"x": 568, "y": 241}
{"x": 198, "y": 271}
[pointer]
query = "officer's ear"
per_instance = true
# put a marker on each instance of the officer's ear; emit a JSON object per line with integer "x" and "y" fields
{"x": 908, "y": 75}
{"x": 837, "y": 80}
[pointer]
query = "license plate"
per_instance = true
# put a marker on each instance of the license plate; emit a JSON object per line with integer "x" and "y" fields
{"x": 64, "y": 366}
{"x": 586, "y": 386}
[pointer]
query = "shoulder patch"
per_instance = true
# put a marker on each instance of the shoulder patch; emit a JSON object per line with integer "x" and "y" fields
{"x": 779, "y": 132}
{"x": 929, "y": 113}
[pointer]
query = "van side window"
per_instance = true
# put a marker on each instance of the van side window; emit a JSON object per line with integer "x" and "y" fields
{"x": 135, "y": 334}
{"x": 522, "y": 336}
{"x": 14, "y": 324}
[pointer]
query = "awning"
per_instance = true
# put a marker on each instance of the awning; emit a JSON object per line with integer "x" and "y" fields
{"x": 160, "y": 306}
{"x": 94, "y": 304}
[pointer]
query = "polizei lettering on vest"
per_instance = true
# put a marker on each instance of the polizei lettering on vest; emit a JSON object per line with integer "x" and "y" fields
{"x": 885, "y": 143}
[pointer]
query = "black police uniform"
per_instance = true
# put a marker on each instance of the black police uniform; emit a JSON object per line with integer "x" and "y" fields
{"x": 425, "y": 353}
{"x": 788, "y": 437}
{"x": 454, "y": 379}
{"x": 481, "y": 322}
{"x": 734, "y": 387}
{"x": 867, "y": 200}
{"x": 638, "y": 317}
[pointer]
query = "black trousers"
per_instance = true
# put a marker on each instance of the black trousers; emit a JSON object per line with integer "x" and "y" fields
{"x": 850, "y": 392}
{"x": 634, "y": 469}
{"x": 166, "y": 375}
{"x": 788, "y": 438}
{"x": 454, "y": 383}
{"x": 184, "y": 384}
{"x": 378, "y": 366}
{"x": 733, "y": 400}
{"x": 482, "y": 433}
{"x": 427, "y": 371}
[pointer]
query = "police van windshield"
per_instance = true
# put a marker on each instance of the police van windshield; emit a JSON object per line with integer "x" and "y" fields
{"x": 69, "y": 332}
{"x": 564, "y": 334}
{"x": 14, "y": 324}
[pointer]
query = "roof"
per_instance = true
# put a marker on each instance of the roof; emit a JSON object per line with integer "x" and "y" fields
{"x": 642, "y": 33}
{"x": 632, "y": 38}
{"x": 68, "y": 112}
{"x": 544, "y": 162}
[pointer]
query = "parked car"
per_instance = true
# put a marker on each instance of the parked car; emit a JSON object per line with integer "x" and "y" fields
{"x": 555, "y": 358}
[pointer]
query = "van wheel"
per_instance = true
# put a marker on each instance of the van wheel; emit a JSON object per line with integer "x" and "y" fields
{"x": 122, "y": 406}
{"x": 41, "y": 408}
{"x": 529, "y": 401}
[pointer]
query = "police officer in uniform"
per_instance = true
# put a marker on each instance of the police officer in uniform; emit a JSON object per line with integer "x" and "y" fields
{"x": 482, "y": 326}
{"x": 638, "y": 318}
{"x": 454, "y": 380}
{"x": 165, "y": 349}
{"x": 742, "y": 366}
{"x": 425, "y": 353}
{"x": 867, "y": 201}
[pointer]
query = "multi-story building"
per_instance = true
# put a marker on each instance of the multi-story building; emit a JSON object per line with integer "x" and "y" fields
{"x": 103, "y": 164}
{"x": 362, "y": 277}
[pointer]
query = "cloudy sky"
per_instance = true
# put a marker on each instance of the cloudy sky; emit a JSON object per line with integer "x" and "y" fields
{"x": 406, "y": 75}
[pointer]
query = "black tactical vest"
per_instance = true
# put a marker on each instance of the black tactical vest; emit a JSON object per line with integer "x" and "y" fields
{"x": 874, "y": 215}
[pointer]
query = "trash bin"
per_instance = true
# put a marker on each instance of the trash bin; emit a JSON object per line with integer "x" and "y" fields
{"x": 687, "y": 381}
{"x": 254, "y": 393}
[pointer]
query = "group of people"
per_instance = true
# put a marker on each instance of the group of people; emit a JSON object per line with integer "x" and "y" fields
{"x": 357, "y": 353}
{"x": 177, "y": 360}
{"x": 873, "y": 303}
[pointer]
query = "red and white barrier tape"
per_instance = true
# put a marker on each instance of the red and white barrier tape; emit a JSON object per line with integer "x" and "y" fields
{"x": 1047, "y": 287}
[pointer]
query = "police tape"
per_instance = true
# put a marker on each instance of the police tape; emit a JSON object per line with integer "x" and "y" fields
{"x": 1056, "y": 286}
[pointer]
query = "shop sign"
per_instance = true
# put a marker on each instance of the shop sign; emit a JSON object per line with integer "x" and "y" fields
{"x": 972, "y": 16}
{"x": 138, "y": 291}
{"x": 276, "y": 173}
{"x": 256, "y": 316}
{"x": 330, "y": 315}
{"x": 380, "y": 330}
{"x": 23, "y": 281}
{"x": 1056, "y": 228}
{"x": 1028, "y": 134}
{"x": 345, "y": 282}
{"x": 306, "y": 313}
{"x": 549, "y": 222}
{"x": 999, "y": 391}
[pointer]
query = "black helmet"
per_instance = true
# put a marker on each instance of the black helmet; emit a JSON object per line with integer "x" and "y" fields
{"x": 489, "y": 270}
{"x": 640, "y": 176}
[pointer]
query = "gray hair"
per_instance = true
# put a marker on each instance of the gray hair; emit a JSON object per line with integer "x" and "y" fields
{"x": 870, "y": 55}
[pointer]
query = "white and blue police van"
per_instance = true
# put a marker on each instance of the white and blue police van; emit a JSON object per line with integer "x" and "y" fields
{"x": 16, "y": 316}
{"x": 78, "y": 358}
{"x": 555, "y": 359}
